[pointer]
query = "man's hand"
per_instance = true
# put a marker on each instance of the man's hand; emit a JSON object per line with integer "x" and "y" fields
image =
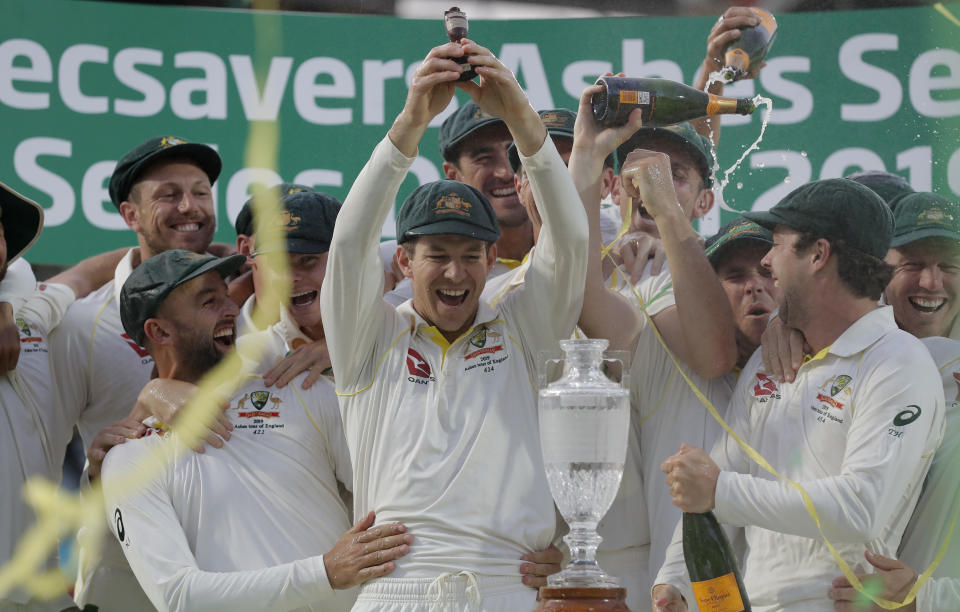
{"x": 590, "y": 138}
{"x": 692, "y": 477}
{"x": 783, "y": 350}
{"x": 311, "y": 356}
{"x": 635, "y": 250}
{"x": 540, "y": 565}
{"x": 667, "y": 598}
{"x": 9, "y": 339}
{"x": 726, "y": 30}
{"x": 500, "y": 95}
{"x": 364, "y": 552}
{"x": 163, "y": 398}
{"x": 431, "y": 89}
{"x": 646, "y": 177}
{"x": 108, "y": 437}
{"x": 893, "y": 580}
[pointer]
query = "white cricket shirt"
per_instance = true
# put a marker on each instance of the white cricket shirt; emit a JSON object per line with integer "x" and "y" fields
{"x": 857, "y": 428}
{"x": 444, "y": 437}
{"x": 243, "y": 527}
{"x": 33, "y": 434}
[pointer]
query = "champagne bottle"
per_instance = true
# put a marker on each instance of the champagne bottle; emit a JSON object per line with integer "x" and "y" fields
{"x": 750, "y": 49}
{"x": 713, "y": 570}
{"x": 662, "y": 101}
{"x": 457, "y": 27}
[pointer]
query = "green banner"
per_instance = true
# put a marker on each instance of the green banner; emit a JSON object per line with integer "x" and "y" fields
{"x": 83, "y": 82}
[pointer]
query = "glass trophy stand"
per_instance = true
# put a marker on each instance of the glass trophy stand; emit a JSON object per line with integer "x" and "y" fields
{"x": 584, "y": 424}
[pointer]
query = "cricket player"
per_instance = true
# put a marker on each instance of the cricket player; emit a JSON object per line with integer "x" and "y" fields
{"x": 436, "y": 395}
{"x": 701, "y": 310}
{"x": 33, "y": 434}
{"x": 926, "y": 252}
{"x": 857, "y": 428}
{"x": 241, "y": 528}
{"x": 163, "y": 190}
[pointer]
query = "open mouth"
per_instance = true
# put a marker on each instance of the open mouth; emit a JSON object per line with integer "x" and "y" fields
{"x": 927, "y": 305}
{"x": 452, "y": 297}
{"x": 304, "y": 298}
{"x": 187, "y": 227}
{"x": 758, "y": 311}
{"x": 225, "y": 336}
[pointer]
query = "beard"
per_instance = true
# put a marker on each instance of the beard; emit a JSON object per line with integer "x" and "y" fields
{"x": 197, "y": 353}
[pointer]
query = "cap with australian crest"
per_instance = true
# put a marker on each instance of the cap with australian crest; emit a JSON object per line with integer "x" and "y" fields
{"x": 132, "y": 165}
{"x": 307, "y": 219}
{"x": 839, "y": 209}
{"x": 457, "y": 127}
{"x": 699, "y": 147}
{"x": 447, "y": 207}
{"x": 153, "y": 280}
{"x": 737, "y": 232}
{"x": 925, "y": 215}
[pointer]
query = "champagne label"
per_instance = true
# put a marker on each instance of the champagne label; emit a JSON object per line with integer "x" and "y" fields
{"x": 634, "y": 97}
{"x": 713, "y": 106}
{"x": 719, "y": 594}
{"x": 738, "y": 58}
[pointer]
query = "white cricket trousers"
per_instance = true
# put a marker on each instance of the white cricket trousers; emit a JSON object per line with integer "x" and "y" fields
{"x": 448, "y": 592}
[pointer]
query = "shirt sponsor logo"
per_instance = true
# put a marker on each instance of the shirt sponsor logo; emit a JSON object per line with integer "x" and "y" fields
{"x": 765, "y": 388}
{"x": 118, "y": 520}
{"x": 417, "y": 366}
{"x": 136, "y": 347}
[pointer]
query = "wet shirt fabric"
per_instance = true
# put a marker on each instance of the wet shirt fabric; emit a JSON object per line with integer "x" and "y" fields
{"x": 858, "y": 429}
{"x": 33, "y": 435}
{"x": 444, "y": 436}
{"x": 243, "y": 527}
{"x": 100, "y": 370}
{"x": 938, "y": 504}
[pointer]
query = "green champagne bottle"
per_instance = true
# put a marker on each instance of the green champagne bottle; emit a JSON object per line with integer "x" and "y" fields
{"x": 713, "y": 570}
{"x": 750, "y": 49}
{"x": 663, "y": 102}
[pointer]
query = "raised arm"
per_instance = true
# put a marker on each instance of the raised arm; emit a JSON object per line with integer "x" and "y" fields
{"x": 606, "y": 313}
{"x": 701, "y": 329}
{"x": 90, "y": 273}
{"x": 352, "y": 295}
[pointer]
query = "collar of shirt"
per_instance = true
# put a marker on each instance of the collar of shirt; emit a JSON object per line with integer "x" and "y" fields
{"x": 865, "y": 331}
{"x": 485, "y": 314}
{"x": 120, "y": 275}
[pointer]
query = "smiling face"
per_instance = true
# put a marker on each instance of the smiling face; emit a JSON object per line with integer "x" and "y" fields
{"x": 751, "y": 291}
{"x": 925, "y": 286}
{"x": 171, "y": 207}
{"x": 448, "y": 273}
{"x": 482, "y": 163}
{"x": 198, "y": 321}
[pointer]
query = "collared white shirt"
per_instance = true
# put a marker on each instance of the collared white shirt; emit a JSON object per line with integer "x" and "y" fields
{"x": 858, "y": 429}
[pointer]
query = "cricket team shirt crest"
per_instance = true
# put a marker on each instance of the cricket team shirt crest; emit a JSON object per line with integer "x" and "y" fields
{"x": 444, "y": 435}
{"x": 33, "y": 433}
{"x": 245, "y": 523}
{"x": 858, "y": 429}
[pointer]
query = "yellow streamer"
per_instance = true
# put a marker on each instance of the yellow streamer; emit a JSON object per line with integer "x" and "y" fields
{"x": 60, "y": 512}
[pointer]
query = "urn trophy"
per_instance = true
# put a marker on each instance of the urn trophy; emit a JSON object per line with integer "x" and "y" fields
{"x": 584, "y": 423}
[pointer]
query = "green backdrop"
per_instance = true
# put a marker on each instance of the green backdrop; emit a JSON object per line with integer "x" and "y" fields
{"x": 83, "y": 82}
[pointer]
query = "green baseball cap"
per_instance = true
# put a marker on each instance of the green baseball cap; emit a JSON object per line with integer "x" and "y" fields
{"x": 841, "y": 209}
{"x": 925, "y": 215}
{"x": 559, "y": 123}
{"x": 308, "y": 217}
{"x": 684, "y": 134}
{"x": 887, "y": 185}
{"x": 153, "y": 280}
{"x": 22, "y": 221}
{"x": 465, "y": 121}
{"x": 244, "y": 221}
{"x": 737, "y": 232}
{"x": 447, "y": 207}
{"x": 135, "y": 162}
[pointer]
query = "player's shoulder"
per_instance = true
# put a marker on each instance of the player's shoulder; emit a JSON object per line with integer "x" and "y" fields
{"x": 84, "y": 311}
{"x": 130, "y": 454}
{"x": 943, "y": 350}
